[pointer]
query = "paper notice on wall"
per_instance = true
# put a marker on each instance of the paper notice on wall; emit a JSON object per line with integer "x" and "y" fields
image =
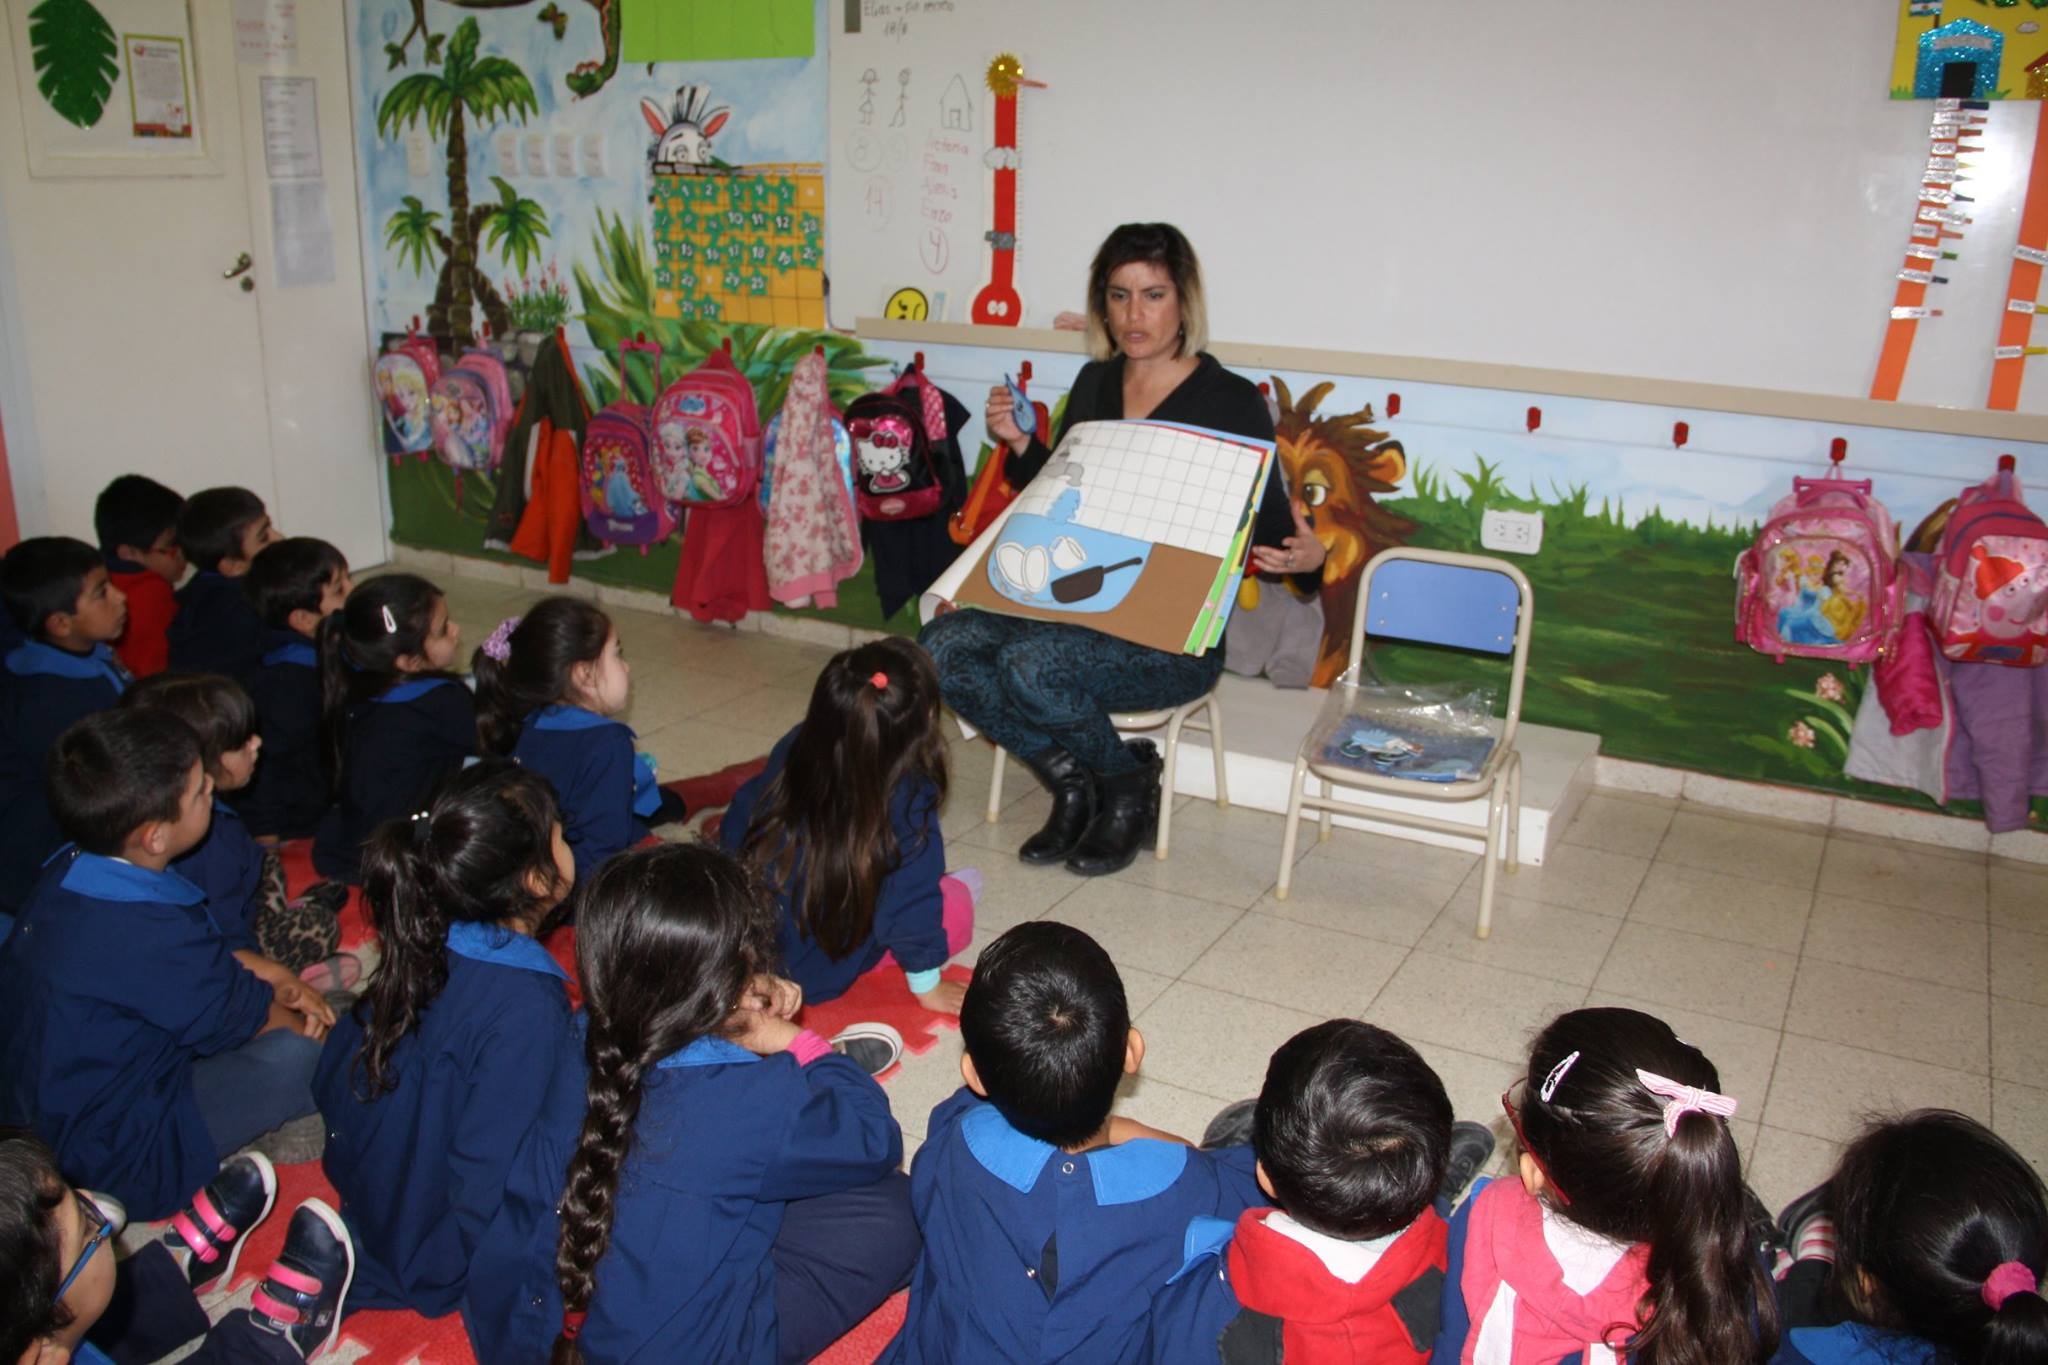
{"x": 267, "y": 32}
{"x": 419, "y": 154}
{"x": 159, "y": 91}
{"x": 563, "y": 146}
{"x": 535, "y": 147}
{"x": 591, "y": 155}
{"x": 301, "y": 234}
{"x": 291, "y": 128}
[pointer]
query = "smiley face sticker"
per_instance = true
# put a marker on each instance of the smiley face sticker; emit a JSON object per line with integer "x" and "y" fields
{"x": 907, "y": 305}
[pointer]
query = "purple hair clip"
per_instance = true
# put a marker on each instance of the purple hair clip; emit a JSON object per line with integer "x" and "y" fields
{"x": 499, "y": 645}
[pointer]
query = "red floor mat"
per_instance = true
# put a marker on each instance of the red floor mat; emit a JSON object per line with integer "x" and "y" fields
{"x": 882, "y": 995}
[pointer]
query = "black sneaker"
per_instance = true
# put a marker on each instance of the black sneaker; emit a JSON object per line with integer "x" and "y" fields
{"x": 300, "y": 1299}
{"x": 874, "y": 1047}
{"x": 1232, "y": 1126}
{"x": 208, "y": 1233}
{"x": 1471, "y": 1146}
{"x": 1766, "y": 1235}
{"x": 1795, "y": 1214}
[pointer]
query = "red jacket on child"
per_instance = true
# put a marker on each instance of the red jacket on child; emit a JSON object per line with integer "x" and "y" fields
{"x": 151, "y": 604}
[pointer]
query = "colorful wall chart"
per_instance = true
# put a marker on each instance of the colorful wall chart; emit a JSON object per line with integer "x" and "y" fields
{"x": 1971, "y": 50}
{"x": 746, "y": 245}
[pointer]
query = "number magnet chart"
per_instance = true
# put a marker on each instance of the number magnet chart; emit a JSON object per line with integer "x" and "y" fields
{"x": 1136, "y": 529}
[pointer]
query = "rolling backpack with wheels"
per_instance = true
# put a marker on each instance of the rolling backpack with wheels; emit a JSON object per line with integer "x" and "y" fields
{"x": 707, "y": 436}
{"x": 620, "y": 494}
{"x": 1990, "y": 603}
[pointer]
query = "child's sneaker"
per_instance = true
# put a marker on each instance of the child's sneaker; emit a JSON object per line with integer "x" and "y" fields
{"x": 1471, "y": 1146}
{"x": 206, "y": 1236}
{"x": 301, "y": 1298}
{"x": 874, "y": 1047}
{"x": 1232, "y": 1126}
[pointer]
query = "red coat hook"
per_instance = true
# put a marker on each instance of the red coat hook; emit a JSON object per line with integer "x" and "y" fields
{"x": 1023, "y": 373}
{"x": 818, "y": 350}
{"x": 917, "y": 362}
{"x": 1680, "y": 433}
{"x": 2007, "y": 464}
{"x": 1838, "y": 450}
{"x": 1535, "y": 418}
{"x": 1393, "y": 405}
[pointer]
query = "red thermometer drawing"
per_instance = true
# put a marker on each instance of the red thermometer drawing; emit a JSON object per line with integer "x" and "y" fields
{"x": 997, "y": 304}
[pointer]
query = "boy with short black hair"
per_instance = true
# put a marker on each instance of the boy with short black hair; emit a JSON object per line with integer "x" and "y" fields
{"x": 136, "y": 519}
{"x": 139, "y": 1045}
{"x": 1047, "y": 1220}
{"x": 216, "y": 630}
{"x": 294, "y": 585}
{"x": 1352, "y": 1132}
{"x": 61, "y": 596}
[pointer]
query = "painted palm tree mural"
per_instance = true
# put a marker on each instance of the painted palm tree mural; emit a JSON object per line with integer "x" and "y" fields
{"x": 468, "y": 86}
{"x": 585, "y": 78}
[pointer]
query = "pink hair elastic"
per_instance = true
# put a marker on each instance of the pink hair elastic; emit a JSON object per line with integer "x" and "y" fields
{"x": 499, "y": 645}
{"x": 879, "y": 681}
{"x": 1681, "y": 1100}
{"x": 2006, "y": 1280}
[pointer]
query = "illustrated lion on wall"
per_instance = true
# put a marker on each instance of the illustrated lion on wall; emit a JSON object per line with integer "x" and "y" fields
{"x": 1335, "y": 465}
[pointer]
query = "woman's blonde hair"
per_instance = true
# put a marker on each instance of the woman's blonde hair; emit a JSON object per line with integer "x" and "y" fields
{"x": 1159, "y": 244}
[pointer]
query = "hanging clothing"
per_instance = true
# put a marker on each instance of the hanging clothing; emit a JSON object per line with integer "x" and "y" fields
{"x": 813, "y": 532}
{"x": 553, "y": 398}
{"x": 721, "y": 575}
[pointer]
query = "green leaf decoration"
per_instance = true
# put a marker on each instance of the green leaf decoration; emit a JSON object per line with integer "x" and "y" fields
{"x": 74, "y": 50}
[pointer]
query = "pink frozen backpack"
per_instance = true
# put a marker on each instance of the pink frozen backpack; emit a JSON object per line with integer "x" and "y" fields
{"x": 405, "y": 377}
{"x": 707, "y": 436}
{"x": 1820, "y": 580}
{"x": 472, "y": 414}
{"x": 1990, "y": 603}
{"x": 617, "y": 488}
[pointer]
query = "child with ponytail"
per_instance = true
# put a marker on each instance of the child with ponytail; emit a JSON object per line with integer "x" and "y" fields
{"x": 843, "y": 825}
{"x": 1926, "y": 1247}
{"x": 394, "y": 719}
{"x": 732, "y": 1189}
{"x": 429, "y": 1084}
{"x": 548, "y": 686}
{"x": 1622, "y": 1234}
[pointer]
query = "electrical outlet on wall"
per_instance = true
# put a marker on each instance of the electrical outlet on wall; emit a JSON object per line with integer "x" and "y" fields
{"x": 1515, "y": 533}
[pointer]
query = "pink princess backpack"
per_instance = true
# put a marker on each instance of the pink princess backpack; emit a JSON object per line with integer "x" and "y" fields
{"x": 707, "y": 435}
{"x": 617, "y": 487}
{"x": 1990, "y": 603}
{"x": 1820, "y": 580}
{"x": 472, "y": 413}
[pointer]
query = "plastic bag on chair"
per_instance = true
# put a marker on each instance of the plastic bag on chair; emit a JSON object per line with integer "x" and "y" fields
{"x": 1437, "y": 732}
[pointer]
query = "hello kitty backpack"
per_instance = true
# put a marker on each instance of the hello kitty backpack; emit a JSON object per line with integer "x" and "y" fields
{"x": 617, "y": 488}
{"x": 707, "y": 436}
{"x": 1990, "y": 603}
{"x": 405, "y": 376}
{"x": 1820, "y": 580}
{"x": 893, "y": 475}
{"x": 472, "y": 414}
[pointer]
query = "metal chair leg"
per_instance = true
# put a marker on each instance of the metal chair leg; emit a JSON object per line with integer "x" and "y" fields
{"x": 995, "y": 787}
{"x": 1218, "y": 753}
{"x": 1166, "y": 792}
{"x": 1514, "y": 811}
{"x": 1488, "y": 869}
{"x": 1291, "y": 831}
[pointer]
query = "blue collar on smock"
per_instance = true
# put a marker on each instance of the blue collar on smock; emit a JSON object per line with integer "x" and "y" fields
{"x": 1126, "y": 1173}
{"x": 706, "y": 1052}
{"x": 110, "y": 879}
{"x": 411, "y": 689}
{"x": 559, "y": 717}
{"x": 501, "y": 947}
{"x": 290, "y": 647}
{"x": 34, "y": 657}
{"x": 1853, "y": 1343}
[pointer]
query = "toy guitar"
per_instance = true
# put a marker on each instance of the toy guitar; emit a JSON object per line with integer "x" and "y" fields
{"x": 997, "y": 304}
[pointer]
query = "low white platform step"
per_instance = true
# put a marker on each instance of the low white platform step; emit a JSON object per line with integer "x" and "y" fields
{"x": 1263, "y": 728}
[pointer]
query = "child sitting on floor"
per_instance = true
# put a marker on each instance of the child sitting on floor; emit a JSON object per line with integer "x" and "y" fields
{"x": 244, "y": 884}
{"x": 732, "y": 1191}
{"x": 294, "y": 585}
{"x": 549, "y": 685}
{"x": 1625, "y": 1231}
{"x": 1926, "y": 1247}
{"x": 1352, "y": 1132}
{"x": 843, "y": 824}
{"x": 394, "y": 720}
{"x": 429, "y": 1083}
{"x": 58, "y": 1276}
{"x": 1048, "y": 1222}
{"x": 139, "y": 1044}
{"x": 136, "y": 519}
{"x": 216, "y": 630}
{"x": 59, "y": 593}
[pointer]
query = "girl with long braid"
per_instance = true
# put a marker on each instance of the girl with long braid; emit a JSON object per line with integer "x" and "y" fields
{"x": 732, "y": 1190}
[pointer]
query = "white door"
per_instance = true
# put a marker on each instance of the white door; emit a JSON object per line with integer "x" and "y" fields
{"x": 131, "y": 351}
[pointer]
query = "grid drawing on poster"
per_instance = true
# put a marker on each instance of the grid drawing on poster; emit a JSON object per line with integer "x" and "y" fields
{"x": 741, "y": 245}
{"x": 1165, "y": 485}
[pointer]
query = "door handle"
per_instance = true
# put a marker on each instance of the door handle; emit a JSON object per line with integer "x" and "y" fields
{"x": 242, "y": 264}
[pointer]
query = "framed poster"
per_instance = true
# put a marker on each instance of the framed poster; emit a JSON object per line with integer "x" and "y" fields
{"x": 120, "y": 87}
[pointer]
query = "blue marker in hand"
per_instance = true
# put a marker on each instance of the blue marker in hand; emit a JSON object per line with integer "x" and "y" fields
{"x": 1024, "y": 415}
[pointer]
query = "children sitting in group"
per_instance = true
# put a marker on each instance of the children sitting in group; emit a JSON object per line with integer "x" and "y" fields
{"x": 1352, "y": 1132}
{"x": 59, "y": 592}
{"x": 136, "y": 519}
{"x": 732, "y": 1190}
{"x": 59, "y": 1276}
{"x": 549, "y": 686}
{"x": 843, "y": 824}
{"x": 293, "y": 585}
{"x": 395, "y": 720}
{"x": 140, "y": 1045}
{"x": 430, "y": 1083}
{"x": 216, "y": 630}
{"x": 1048, "y": 1221}
{"x": 1624, "y": 1230}
{"x": 1926, "y": 1247}
{"x": 244, "y": 883}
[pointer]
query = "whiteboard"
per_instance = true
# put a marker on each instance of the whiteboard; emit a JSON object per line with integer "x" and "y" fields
{"x": 1711, "y": 190}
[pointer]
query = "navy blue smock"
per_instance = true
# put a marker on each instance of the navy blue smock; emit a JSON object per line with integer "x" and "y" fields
{"x": 44, "y": 690}
{"x": 399, "y": 746}
{"x": 227, "y": 867}
{"x": 288, "y": 794}
{"x": 216, "y": 629}
{"x": 601, "y": 784}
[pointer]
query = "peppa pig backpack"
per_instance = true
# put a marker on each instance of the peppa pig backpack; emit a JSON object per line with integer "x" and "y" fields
{"x": 1990, "y": 603}
{"x": 620, "y": 495}
{"x": 405, "y": 376}
{"x": 1820, "y": 580}
{"x": 707, "y": 435}
{"x": 472, "y": 404}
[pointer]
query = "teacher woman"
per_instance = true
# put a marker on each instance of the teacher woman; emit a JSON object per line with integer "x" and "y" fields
{"x": 1045, "y": 691}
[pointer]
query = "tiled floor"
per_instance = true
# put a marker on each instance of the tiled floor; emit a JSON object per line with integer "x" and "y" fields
{"x": 1828, "y": 975}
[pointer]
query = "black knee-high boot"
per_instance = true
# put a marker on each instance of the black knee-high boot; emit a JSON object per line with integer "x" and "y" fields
{"x": 1126, "y": 816}
{"x": 1073, "y": 805}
